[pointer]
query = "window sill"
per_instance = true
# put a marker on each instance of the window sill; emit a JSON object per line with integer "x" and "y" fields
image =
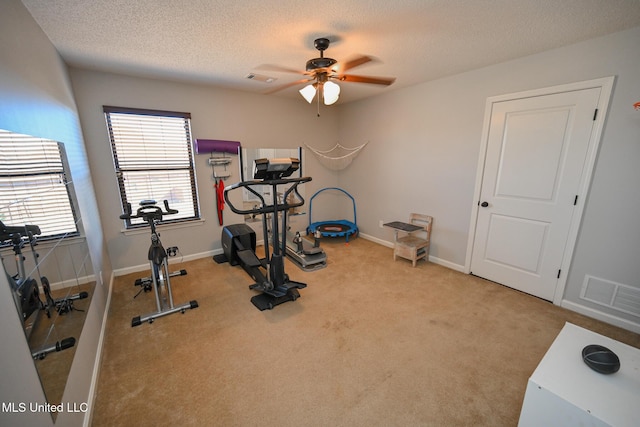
{"x": 168, "y": 226}
{"x": 45, "y": 245}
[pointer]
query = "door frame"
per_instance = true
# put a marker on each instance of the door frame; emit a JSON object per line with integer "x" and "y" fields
{"x": 606, "y": 85}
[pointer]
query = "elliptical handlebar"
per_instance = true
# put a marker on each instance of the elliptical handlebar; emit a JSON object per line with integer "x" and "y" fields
{"x": 148, "y": 210}
{"x": 264, "y": 208}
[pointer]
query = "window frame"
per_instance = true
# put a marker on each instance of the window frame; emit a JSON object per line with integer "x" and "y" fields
{"x": 33, "y": 169}
{"x": 145, "y": 117}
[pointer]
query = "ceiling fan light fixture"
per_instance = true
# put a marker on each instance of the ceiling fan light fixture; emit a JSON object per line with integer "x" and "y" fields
{"x": 321, "y": 74}
{"x": 308, "y": 92}
{"x": 331, "y": 92}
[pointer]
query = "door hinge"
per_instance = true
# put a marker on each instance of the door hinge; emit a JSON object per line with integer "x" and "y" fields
{"x": 595, "y": 114}
{"x": 575, "y": 201}
{"x": 559, "y": 271}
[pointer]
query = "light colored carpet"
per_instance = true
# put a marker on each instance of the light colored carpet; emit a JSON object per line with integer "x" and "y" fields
{"x": 371, "y": 342}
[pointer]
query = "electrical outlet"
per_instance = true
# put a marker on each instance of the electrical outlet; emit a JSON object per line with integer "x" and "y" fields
{"x": 172, "y": 251}
{"x": 381, "y": 224}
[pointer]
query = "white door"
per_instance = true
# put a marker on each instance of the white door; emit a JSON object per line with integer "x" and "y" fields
{"x": 535, "y": 156}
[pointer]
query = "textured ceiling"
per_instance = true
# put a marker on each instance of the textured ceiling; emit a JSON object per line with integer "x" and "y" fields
{"x": 219, "y": 42}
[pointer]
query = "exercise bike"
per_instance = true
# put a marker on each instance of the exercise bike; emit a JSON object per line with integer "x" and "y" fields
{"x": 25, "y": 289}
{"x": 158, "y": 263}
{"x": 239, "y": 241}
{"x": 57, "y": 346}
{"x": 61, "y": 305}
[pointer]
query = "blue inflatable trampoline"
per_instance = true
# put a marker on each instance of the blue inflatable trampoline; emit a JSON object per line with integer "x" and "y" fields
{"x": 333, "y": 228}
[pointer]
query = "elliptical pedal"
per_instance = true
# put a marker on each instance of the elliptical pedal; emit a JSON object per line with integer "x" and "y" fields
{"x": 249, "y": 258}
{"x": 266, "y": 301}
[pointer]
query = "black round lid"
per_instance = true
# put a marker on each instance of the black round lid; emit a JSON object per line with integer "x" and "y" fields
{"x": 600, "y": 359}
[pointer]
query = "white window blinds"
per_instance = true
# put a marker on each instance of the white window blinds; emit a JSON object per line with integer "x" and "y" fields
{"x": 33, "y": 185}
{"x": 153, "y": 159}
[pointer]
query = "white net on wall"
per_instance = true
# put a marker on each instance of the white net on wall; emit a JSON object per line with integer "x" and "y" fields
{"x": 338, "y": 158}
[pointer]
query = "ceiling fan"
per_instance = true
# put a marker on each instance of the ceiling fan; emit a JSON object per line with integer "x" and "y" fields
{"x": 322, "y": 73}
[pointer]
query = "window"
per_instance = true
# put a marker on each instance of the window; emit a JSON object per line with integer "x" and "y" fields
{"x": 153, "y": 160}
{"x": 34, "y": 188}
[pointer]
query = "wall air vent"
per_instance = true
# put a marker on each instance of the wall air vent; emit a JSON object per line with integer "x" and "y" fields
{"x": 260, "y": 78}
{"x": 618, "y": 296}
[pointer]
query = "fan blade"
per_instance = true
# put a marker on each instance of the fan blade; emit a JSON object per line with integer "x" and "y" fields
{"x": 279, "y": 69}
{"x": 282, "y": 87}
{"x": 354, "y": 62}
{"x": 365, "y": 79}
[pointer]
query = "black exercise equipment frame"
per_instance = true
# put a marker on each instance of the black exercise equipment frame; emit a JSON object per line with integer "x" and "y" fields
{"x": 26, "y": 291}
{"x": 24, "y": 288}
{"x": 276, "y": 287}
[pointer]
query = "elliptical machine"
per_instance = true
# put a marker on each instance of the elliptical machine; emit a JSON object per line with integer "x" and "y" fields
{"x": 239, "y": 242}
{"x": 159, "y": 280}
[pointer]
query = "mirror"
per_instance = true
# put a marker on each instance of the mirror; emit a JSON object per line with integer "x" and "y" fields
{"x": 247, "y": 158}
{"x": 50, "y": 272}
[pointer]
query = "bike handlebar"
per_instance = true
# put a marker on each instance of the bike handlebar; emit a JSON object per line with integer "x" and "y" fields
{"x": 8, "y": 232}
{"x": 148, "y": 210}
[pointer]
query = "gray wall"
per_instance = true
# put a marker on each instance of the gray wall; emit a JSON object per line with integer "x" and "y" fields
{"x": 422, "y": 156}
{"x": 36, "y": 99}
{"x": 257, "y": 121}
{"x": 425, "y": 146}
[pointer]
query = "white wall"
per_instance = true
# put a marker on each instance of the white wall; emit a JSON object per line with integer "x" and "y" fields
{"x": 425, "y": 143}
{"x": 36, "y": 99}
{"x": 423, "y": 149}
{"x": 254, "y": 120}
{"x": 422, "y": 156}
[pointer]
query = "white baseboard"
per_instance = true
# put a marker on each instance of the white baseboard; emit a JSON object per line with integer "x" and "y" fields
{"x": 376, "y": 240}
{"x": 145, "y": 267}
{"x": 604, "y": 317}
{"x": 433, "y": 259}
{"x": 73, "y": 282}
{"x": 96, "y": 364}
{"x": 587, "y": 311}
